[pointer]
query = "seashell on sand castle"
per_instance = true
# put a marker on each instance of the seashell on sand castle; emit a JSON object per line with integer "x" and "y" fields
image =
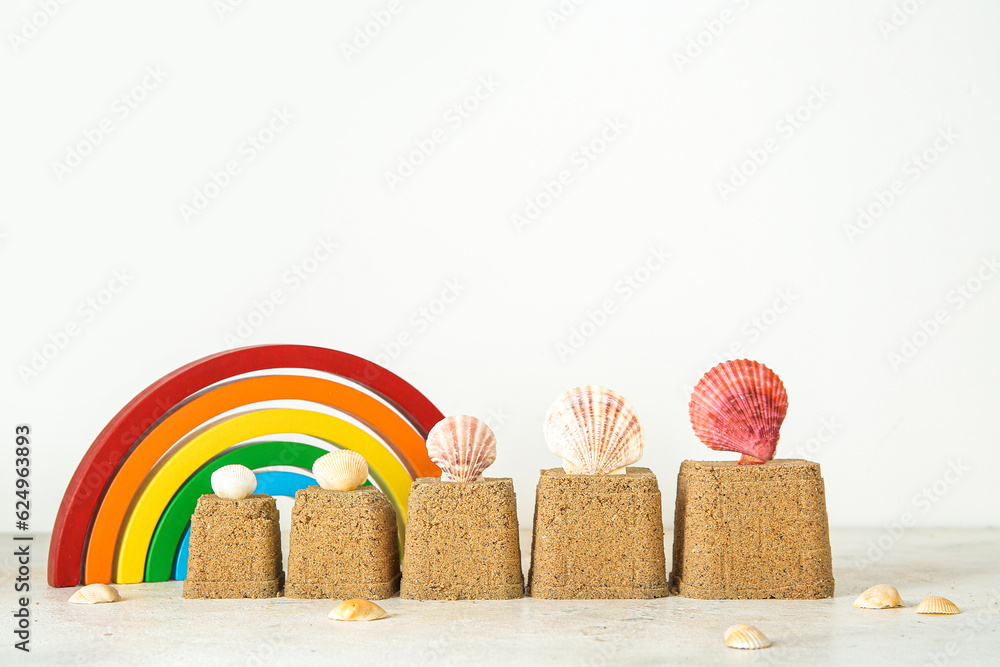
{"x": 739, "y": 406}
{"x": 594, "y": 430}
{"x": 342, "y": 470}
{"x": 462, "y": 447}
{"x": 234, "y": 482}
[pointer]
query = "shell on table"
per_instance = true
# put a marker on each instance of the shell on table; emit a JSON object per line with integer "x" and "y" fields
{"x": 357, "y": 610}
{"x": 95, "y": 594}
{"x": 935, "y": 604}
{"x": 739, "y": 406}
{"x": 462, "y": 446}
{"x": 879, "y": 596}
{"x": 594, "y": 430}
{"x": 342, "y": 470}
{"x": 234, "y": 482}
{"x": 745, "y": 636}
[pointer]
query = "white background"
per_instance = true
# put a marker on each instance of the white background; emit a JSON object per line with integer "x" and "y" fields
{"x": 852, "y": 298}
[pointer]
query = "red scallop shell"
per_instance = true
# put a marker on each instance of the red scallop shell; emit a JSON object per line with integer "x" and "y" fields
{"x": 738, "y": 406}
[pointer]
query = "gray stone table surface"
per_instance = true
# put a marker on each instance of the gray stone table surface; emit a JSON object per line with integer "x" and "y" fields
{"x": 152, "y": 625}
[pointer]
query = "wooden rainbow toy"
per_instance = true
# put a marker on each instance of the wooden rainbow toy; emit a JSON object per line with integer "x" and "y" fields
{"x": 125, "y": 511}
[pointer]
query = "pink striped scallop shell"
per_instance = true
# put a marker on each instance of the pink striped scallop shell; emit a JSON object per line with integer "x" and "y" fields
{"x": 739, "y": 406}
{"x": 463, "y": 447}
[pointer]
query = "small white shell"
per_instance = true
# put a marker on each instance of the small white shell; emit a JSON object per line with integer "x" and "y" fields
{"x": 937, "y": 605}
{"x": 234, "y": 482}
{"x": 745, "y": 636}
{"x": 463, "y": 447}
{"x": 880, "y": 596}
{"x": 357, "y": 610}
{"x": 594, "y": 430}
{"x": 95, "y": 594}
{"x": 342, "y": 470}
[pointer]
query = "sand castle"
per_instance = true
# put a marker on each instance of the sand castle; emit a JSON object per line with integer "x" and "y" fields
{"x": 343, "y": 542}
{"x": 235, "y": 546}
{"x": 598, "y": 530}
{"x": 462, "y": 532}
{"x": 756, "y": 528}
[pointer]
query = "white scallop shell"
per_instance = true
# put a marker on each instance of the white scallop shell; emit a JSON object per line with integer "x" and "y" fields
{"x": 594, "y": 430}
{"x": 95, "y": 594}
{"x": 745, "y": 636}
{"x": 935, "y": 604}
{"x": 342, "y": 470}
{"x": 463, "y": 447}
{"x": 357, "y": 610}
{"x": 234, "y": 482}
{"x": 880, "y": 596}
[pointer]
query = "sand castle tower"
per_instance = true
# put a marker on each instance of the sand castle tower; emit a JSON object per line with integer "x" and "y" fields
{"x": 343, "y": 542}
{"x": 235, "y": 545}
{"x": 756, "y": 528}
{"x": 462, "y": 533}
{"x": 598, "y": 529}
